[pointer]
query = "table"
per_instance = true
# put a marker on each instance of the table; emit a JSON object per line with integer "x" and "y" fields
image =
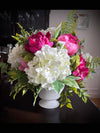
{"x": 21, "y": 110}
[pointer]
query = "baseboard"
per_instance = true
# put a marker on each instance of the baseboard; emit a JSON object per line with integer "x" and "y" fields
{"x": 93, "y": 92}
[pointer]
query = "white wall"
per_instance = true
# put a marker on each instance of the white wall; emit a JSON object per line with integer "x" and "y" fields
{"x": 92, "y": 41}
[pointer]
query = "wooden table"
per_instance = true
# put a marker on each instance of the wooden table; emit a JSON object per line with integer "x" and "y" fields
{"x": 21, "y": 110}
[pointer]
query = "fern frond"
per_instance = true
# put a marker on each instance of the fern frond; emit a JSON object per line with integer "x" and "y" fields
{"x": 93, "y": 63}
{"x": 70, "y": 25}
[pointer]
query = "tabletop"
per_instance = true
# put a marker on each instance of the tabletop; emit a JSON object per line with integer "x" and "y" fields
{"x": 21, "y": 110}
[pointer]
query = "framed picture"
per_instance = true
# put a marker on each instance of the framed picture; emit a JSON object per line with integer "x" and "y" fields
{"x": 83, "y": 21}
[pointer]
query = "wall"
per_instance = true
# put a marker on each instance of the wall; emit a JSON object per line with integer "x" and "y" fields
{"x": 92, "y": 41}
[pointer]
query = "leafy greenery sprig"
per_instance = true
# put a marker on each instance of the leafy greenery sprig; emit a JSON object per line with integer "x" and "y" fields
{"x": 70, "y": 25}
{"x": 20, "y": 81}
{"x": 21, "y": 38}
{"x": 92, "y": 63}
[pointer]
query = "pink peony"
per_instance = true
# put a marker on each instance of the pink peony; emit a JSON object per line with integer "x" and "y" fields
{"x": 71, "y": 43}
{"x": 81, "y": 70}
{"x": 23, "y": 65}
{"x": 36, "y": 41}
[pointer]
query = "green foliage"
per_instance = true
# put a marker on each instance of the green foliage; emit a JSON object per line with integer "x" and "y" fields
{"x": 36, "y": 92}
{"x": 75, "y": 61}
{"x": 64, "y": 99}
{"x": 15, "y": 74}
{"x": 71, "y": 86}
{"x": 91, "y": 64}
{"x": 23, "y": 38}
{"x": 22, "y": 84}
{"x": 28, "y": 57}
{"x": 65, "y": 96}
{"x": 70, "y": 81}
{"x": 57, "y": 33}
{"x": 21, "y": 78}
{"x": 82, "y": 93}
{"x": 81, "y": 46}
{"x": 23, "y": 31}
{"x": 3, "y": 67}
{"x": 58, "y": 86}
{"x": 70, "y": 25}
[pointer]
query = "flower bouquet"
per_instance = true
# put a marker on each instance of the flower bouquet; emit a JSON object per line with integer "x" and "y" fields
{"x": 50, "y": 59}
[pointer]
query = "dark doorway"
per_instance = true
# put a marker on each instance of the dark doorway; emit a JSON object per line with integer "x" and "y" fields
{"x": 28, "y": 18}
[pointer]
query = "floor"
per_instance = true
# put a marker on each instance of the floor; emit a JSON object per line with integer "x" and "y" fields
{"x": 96, "y": 101}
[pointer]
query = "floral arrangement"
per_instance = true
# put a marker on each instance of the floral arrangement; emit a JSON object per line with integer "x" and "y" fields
{"x": 50, "y": 59}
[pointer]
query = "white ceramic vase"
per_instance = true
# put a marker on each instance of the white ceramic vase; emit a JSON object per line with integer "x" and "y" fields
{"x": 48, "y": 99}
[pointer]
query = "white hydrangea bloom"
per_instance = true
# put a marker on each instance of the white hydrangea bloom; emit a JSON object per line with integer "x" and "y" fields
{"x": 48, "y": 65}
{"x": 14, "y": 58}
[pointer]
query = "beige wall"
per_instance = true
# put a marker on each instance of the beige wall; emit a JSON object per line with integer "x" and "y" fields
{"x": 92, "y": 41}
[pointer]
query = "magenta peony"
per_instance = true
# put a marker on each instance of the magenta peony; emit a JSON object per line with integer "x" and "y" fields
{"x": 81, "y": 70}
{"x": 71, "y": 43}
{"x": 36, "y": 42}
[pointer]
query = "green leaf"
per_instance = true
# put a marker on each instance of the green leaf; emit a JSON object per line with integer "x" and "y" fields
{"x": 57, "y": 32}
{"x": 68, "y": 100}
{"x": 16, "y": 38}
{"x": 62, "y": 104}
{"x": 28, "y": 57}
{"x": 84, "y": 99}
{"x": 24, "y": 91}
{"x": 19, "y": 89}
{"x": 61, "y": 44}
{"x": 75, "y": 62}
{"x": 23, "y": 38}
{"x": 82, "y": 93}
{"x": 65, "y": 100}
{"x": 74, "y": 77}
{"x": 58, "y": 86}
{"x": 69, "y": 105}
{"x": 70, "y": 82}
{"x": 36, "y": 92}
